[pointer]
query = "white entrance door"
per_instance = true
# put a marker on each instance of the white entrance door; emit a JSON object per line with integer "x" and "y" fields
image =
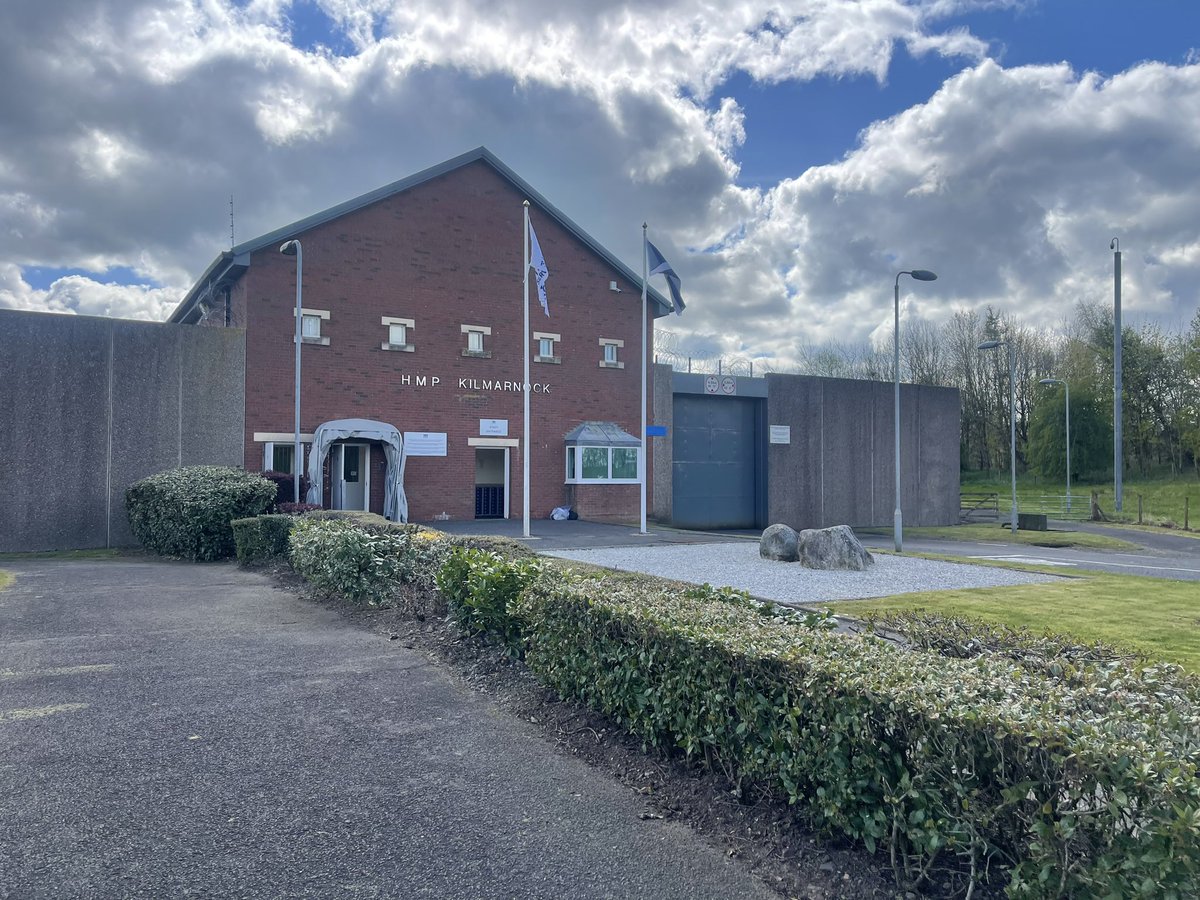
{"x": 351, "y": 476}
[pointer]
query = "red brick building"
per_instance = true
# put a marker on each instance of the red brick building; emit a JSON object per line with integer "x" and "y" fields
{"x": 412, "y": 317}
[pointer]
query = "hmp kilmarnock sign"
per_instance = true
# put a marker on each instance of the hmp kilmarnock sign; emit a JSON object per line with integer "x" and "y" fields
{"x": 475, "y": 384}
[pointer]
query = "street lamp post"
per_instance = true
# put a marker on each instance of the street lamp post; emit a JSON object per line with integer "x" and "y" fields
{"x": 1067, "y": 398}
{"x": 897, "y": 517}
{"x": 1118, "y": 440}
{"x": 293, "y": 248}
{"x": 1012, "y": 417}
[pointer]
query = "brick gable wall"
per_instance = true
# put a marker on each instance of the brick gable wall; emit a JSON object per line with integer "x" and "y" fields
{"x": 445, "y": 253}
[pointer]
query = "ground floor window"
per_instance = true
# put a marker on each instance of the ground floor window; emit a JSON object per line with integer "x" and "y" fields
{"x": 591, "y": 465}
{"x": 279, "y": 457}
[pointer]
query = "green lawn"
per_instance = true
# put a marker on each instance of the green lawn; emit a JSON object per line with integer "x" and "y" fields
{"x": 979, "y": 532}
{"x": 61, "y": 554}
{"x": 1157, "y": 616}
{"x": 5, "y": 579}
{"x": 1162, "y": 497}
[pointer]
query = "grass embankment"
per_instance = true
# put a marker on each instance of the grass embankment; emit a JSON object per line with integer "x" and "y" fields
{"x": 1156, "y": 616}
{"x": 1162, "y": 497}
{"x": 995, "y": 533}
{"x": 62, "y": 554}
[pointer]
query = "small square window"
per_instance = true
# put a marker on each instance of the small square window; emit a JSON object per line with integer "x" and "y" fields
{"x": 610, "y": 348}
{"x": 475, "y": 343}
{"x": 310, "y": 326}
{"x": 547, "y": 343}
{"x": 398, "y": 335}
{"x": 545, "y": 347}
{"x": 399, "y": 332}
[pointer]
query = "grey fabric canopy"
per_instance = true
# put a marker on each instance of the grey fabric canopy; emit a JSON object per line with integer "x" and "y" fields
{"x": 395, "y": 504}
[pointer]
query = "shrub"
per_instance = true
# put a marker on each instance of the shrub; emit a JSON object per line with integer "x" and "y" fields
{"x": 260, "y": 538}
{"x": 1078, "y": 790}
{"x": 295, "y": 509}
{"x": 284, "y": 486}
{"x": 186, "y": 512}
{"x": 364, "y": 564}
{"x": 480, "y": 587}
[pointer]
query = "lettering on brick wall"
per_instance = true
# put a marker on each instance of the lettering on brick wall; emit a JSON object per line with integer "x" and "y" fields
{"x": 487, "y": 384}
{"x": 421, "y": 380}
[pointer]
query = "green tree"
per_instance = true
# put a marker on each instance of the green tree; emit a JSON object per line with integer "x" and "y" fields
{"x": 1091, "y": 435}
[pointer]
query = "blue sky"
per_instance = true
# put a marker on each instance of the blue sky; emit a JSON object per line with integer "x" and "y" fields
{"x": 790, "y": 155}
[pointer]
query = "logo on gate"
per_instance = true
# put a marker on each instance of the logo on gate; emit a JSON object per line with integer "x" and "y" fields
{"x": 712, "y": 384}
{"x": 728, "y": 385}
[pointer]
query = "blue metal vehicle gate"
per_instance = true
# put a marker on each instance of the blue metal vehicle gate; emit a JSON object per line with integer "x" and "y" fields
{"x": 719, "y": 462}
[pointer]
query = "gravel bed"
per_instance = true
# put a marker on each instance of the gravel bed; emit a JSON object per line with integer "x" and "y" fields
{"x": 737, "y": 564}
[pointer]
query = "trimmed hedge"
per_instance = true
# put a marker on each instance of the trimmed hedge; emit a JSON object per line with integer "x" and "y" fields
{"x": 364, "y": 563}
{"x": 1088, "y": 789}
{"x": 186, "y": 512}
{"x": 481, "y": 588}
{"x": 260, "y": 538}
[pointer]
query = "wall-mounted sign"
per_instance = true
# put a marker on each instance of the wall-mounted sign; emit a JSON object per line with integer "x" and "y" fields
{"x": 729, "y": 385}
{"x": 425, "y": 443}
{"x": 712, "y": 384}
{"x": 493, "y": 427}
{"x": 656, "y": 431}
{"x": 781, "y": 434}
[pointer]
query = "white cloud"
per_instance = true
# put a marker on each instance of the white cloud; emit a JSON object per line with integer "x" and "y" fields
{"x": 138, "y": 120}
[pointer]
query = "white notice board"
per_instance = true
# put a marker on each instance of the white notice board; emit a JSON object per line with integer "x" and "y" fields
{"x": 781, "y": 434}
{"x": 425, "y": 443}
{"x": 493, "y": 427}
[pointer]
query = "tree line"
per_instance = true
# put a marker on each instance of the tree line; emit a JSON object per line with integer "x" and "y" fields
{"x": 1160, "y": 389}
{"x": 1160, "y": 379}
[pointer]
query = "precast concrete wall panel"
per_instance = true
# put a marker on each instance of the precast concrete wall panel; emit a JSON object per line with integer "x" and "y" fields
{"x": 54, "y": 383}
{"x": 839, "y": 468}
{"x": 939, "y": 434}
{"x": 92, "y": 404}
{"x": 848, "y": 451}
{"x": 213, "y": 364}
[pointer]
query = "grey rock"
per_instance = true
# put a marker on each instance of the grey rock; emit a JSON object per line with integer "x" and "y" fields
{"x": 833, "y": 548}
{"x": 779, "y": 542}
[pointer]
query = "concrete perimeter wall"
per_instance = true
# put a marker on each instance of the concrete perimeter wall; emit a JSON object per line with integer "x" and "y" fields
{"x": 839, "y": 468}
{"x": 90, "y": 405}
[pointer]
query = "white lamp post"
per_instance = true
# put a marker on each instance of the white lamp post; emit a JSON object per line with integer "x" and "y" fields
{"x": 293, "y": 248}
{"x": 1118, "y": 440}
{"x": 1012, "y": 417}
{"x": 1067, "y": 388}
{"x": 897, "y": 517}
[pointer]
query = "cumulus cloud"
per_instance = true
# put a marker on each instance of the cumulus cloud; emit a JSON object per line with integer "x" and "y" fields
{"x": 138, "y": 120}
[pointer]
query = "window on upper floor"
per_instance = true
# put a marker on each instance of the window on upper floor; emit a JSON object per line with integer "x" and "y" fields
{"x": 312, "y": 324}
{"x": 399, "y": 334}
{"x": 546, "y": 347}
{"x": 475, "y": 340}
{"x": 610, "y": 348}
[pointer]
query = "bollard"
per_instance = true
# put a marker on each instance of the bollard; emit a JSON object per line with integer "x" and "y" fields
{"x": 1139, "y": 509}
{"x": 1185, "y": 512}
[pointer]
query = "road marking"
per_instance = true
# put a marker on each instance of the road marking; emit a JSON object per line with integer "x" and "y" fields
{"x": 37, "y": 712}
{"x": 1089, "y": 562}
{"x": 8, "y": 674}
{"x": 1032, "y": 560}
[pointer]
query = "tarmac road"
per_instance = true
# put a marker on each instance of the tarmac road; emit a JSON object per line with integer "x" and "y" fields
{"x": 176, "y": 730}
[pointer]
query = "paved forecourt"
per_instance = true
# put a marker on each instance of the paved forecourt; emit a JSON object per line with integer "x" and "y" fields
{"x": 191, "y": 730}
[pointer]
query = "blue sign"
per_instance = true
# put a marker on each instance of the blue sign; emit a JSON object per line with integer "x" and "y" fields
{"x": 656, "y": 431}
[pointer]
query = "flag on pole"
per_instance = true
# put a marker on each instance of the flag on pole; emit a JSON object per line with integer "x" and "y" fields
{"x": 659, "y": 266}
{"x": 538, "y": 263}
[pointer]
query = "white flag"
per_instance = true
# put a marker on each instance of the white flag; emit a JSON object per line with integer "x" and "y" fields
{"x": 538, "y": 263}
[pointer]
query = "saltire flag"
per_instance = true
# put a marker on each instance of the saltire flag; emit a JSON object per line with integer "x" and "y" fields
{"x": 659, "y": 266}
{"x": 538, "y": 263}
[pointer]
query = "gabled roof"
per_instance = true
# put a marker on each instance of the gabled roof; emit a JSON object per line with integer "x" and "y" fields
{"x": 229, "y": 265}
{"x": 604, "y": 434}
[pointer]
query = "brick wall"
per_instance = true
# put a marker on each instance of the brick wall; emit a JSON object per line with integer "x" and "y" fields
{"x": 445, "y": 253}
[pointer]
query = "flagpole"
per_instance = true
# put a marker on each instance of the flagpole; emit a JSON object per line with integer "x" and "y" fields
{"x": 642, "y": 460}
{"x": 525, "y": 387}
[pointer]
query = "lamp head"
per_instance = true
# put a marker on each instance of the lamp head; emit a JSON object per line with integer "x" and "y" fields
{"x": 923, "y": 275}
{"x": 1114, "y": 244}
{"x": 1051, "y": 381}
{"x": 989, "y": 345}
{"x": 288, "y": 248}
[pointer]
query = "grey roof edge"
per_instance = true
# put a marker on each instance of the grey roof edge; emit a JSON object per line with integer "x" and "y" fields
{"x": 227, "y": 268}
{"x": 244, "y": 249}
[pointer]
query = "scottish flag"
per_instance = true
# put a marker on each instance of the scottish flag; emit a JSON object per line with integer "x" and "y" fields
{"x": 659, "y": 266}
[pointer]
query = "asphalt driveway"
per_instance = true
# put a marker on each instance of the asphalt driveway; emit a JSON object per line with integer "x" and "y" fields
{"x": 191, "y": 730}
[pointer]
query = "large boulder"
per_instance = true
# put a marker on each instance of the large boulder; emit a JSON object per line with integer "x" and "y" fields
{"x": 779, "y": 542}
{"x": 833, "y": 548}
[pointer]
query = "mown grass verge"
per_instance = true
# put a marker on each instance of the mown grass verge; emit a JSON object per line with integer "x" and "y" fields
{"x": 99, "y": 553}
{"x": 1082, "y": 539}
{"x": 1158, "y": 617}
